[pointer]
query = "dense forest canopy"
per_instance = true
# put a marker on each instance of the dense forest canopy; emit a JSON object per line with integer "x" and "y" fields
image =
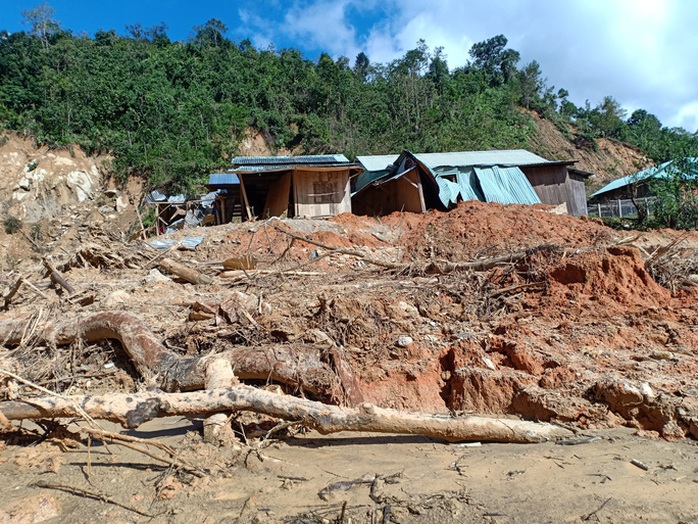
{"x": 175, "y": 111}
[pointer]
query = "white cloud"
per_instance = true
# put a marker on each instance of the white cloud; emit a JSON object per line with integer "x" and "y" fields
{"x": 261, "y": 36}
{"x": 324, "y": 24}
{"x": 687, "y": 116}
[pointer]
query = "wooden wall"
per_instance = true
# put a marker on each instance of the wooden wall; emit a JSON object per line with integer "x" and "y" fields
{"x": 321, "y": 193}
{"x": 577, "y": 195}
{"x": 403, "y": 194}
{"x": 554, "y": 186}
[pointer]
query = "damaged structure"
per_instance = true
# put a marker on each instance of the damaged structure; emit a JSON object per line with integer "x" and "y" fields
{"x": 638, "y": 185}
{"x": 417, "y": 182}
{"x": 293, "y": 186}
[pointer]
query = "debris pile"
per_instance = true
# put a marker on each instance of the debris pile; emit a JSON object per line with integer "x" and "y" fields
{"x": 488, "y": 309}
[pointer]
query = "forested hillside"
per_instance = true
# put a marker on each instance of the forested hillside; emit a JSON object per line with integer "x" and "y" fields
{"x": 174, "y": 111}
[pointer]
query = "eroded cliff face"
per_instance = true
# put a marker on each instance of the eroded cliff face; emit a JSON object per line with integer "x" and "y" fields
{"x": 37, "y": 182}
{"x": 605, "y": 159}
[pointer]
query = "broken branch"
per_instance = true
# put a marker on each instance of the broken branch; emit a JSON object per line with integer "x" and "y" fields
{"x": 57, "y": 278}
{"x": 133, "y": 410}
{"x": 190, "y": 275}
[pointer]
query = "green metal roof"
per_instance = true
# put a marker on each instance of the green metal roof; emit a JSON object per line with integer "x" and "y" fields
{"x": 466, "y": 175}
{"x": 377, "y": 162}
{"x": 506, "y": 185}
{"x": 507, "y": 157}
{"x": 658, "y": 171}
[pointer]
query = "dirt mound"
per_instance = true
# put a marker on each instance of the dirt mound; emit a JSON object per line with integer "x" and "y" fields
{"x": 615, "y": 278}
{"x": 476, "y": 229}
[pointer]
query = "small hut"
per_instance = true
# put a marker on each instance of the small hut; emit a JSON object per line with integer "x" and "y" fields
{"x": 293, "y": 186}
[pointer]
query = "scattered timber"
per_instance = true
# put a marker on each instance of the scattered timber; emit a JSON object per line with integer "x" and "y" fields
{"x": 316, "y": 369}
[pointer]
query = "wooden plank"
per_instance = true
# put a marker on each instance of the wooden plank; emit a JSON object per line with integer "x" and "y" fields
{"x": 409, "y": 192}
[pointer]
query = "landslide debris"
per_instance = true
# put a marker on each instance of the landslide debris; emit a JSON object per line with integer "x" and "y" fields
{"x": 575, "y": 330}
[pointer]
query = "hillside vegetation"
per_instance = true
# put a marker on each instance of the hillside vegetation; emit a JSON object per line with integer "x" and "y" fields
{"x": 174, "y": 111}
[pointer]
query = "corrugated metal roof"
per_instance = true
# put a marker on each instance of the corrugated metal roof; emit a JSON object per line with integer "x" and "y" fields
{"x": 376, "y": 162}
{"x": 448, "y": 191}
{"x": 469, "y": 185}
{"x": 365, "y": 178}
{"x": 650, "y": 172}
{"x": 506, "y": 185}
{"x": 512, "y": 157}
{"x": 688, "y": 167}
{"x": 289, "y": 160}
{"x": 505, "y": 157}
{"x": 491, "y": 176}
{"x": 271, "y": 168}
{"x": 223, "y": 179}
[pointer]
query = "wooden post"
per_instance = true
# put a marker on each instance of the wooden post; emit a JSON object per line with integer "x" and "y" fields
{"x": 620, "y": 208}
{"x": 244, "y": 199}
{"x": 140, "y": 221}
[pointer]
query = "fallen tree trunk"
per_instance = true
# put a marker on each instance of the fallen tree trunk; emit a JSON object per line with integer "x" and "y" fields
{"x": 316, "y": 369}
{"x": 133, "y": 410}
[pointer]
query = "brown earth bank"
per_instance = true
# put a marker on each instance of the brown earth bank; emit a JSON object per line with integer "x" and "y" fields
{"x": 604, "y": 158}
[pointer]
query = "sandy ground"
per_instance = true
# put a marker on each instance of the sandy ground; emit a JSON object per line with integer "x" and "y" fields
{"x": 602, "y": 476}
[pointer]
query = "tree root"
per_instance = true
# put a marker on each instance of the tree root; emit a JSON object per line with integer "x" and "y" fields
{"x": 317, "y": 370}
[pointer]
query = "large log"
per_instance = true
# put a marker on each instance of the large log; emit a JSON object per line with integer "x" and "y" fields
{"x": 186, "y": 273}
{"x": 313, "y": 369}
{"x": 133, "y": 410}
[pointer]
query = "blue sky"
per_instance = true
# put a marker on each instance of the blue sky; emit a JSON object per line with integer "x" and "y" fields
{"x": 642, "y": 52}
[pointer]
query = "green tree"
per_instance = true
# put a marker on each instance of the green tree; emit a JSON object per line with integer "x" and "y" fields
{"x": 644, "y": 132}
{"x": 607, "y": 119}
{"x": 497, "y": 63}
{"x": 531, "y": 85}
{"x": 211, "y": 33}
{"x": 676, "y": 204}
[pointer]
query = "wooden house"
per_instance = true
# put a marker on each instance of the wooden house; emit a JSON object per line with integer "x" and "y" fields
{"x": 293, "y": 186}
